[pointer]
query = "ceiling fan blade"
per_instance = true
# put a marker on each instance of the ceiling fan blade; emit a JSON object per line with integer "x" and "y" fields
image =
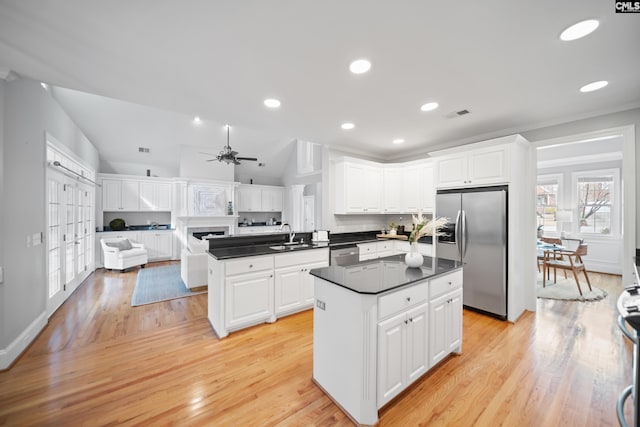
{"x": 252, "y": 159}
{"x": 208, "y": 154}
{"x": 211, "y": 160}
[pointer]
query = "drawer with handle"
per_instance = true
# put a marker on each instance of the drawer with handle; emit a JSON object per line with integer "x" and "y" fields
{"x": 443, "y": 284}
{"x": 396, "y": 301}
{"x": 248, "y": 265}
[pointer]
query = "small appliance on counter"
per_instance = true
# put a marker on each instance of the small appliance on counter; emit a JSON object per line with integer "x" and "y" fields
{"x": 320, "y": 236}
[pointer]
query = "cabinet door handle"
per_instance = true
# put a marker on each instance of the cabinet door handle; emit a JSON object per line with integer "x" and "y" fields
{"x": 408, "y": 299}
{"x": 250, "y": 265}
{"x": 450, "y": 283}
{"x": 406, "y": 322}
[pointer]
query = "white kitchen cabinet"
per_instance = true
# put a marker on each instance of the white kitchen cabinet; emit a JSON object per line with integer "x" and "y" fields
{"x": 251, "y": 290}
{"x": 159, "y": 244}
{"x": 249, "y": 298}
{"x": 258, "y": 229}
{"x": 120, "y": 195}
{"x": 272, "y": 199}
{"x": 392, "y": 190}
{"x": 358, "y": 187}
{"x": 473, "y": 167}
{"x": 402, "y": 351}
{"x": 418, "y": 192}
{"x": 155, "y": 196}
{"x": 249, "y": 199}
{"x": 259, "y": 198}
{"x": 385, "y": 248}
{"x": 368, "y": 251}
{"x": 445, "y": 316}
{"x": 293, "y": 284}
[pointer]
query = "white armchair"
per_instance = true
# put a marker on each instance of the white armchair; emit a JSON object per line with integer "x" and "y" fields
{"x": 120, "y": 254}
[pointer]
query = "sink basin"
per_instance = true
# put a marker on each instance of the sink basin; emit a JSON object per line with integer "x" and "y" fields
{"x": 289, "y": 246}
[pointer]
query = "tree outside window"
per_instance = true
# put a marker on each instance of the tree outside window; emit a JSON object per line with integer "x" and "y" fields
{"x": 595, "y": 198}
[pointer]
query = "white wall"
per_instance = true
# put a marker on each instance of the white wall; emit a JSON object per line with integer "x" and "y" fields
{"x": 139, "y": 169}
{"x": 29, "y": 112}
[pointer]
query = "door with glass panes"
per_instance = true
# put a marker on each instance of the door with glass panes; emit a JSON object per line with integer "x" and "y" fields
{"x": 69, "y": 237}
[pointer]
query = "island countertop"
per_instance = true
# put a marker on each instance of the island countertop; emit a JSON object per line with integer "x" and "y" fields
{"x": 383, "y": 274}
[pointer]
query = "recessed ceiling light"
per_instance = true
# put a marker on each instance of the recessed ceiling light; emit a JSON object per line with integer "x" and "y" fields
{"x": 579, "y": 30}
{"x": 347, "y": 126}
{"x": 197, "y": 120}
{"x": 360, "y": 66}
{"x": 272, "y": 103}
{"x": 429, "y": 106}
{"x": 398, "y": 141}
{"x": 594, "y": 86}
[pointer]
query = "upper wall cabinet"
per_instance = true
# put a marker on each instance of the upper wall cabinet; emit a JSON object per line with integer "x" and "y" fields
{"x": 473, "y": 167}
{"x": 418, "y": 192}
{"x": 155, "y": 196}
{"x": 120, "y": 195}
{"x": 123, "y": 194}
{"x": 358, "y": 187}
{"x": 260, "y": 198}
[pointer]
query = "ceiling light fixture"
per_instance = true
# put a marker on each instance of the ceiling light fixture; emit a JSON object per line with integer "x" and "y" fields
{"x": 44, "y": 85}
{"x": 347, "y": 126}
{"x": 594, "y": 86}
{"x": 272, "y": 103}
{"x": 197, "y": 120}
{"x": 398, "y": 141}
{"x": 429, "y": 106}
{"x": 579, "y": 30}
{"x": 360, "y": 66}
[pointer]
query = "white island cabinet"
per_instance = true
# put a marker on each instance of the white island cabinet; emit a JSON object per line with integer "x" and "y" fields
{"x": 374, "y": 335}
{"x": 245, "y": 290}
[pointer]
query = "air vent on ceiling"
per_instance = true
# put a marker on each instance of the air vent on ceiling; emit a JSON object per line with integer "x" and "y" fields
{"x": 462, "y": 112}
{"x": 143, "y": 150}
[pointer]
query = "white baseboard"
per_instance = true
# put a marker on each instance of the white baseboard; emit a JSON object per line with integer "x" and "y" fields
{"x": 15, "y": 349}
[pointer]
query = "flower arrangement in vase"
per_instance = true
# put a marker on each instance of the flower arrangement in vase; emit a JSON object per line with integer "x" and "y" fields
{"x": 393, "y": 229}
{"x": 421, "y": 227}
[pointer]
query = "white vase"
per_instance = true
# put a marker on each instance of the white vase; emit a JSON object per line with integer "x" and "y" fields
{"x": 393, "y": 232}
{"x": 413, "y": 258}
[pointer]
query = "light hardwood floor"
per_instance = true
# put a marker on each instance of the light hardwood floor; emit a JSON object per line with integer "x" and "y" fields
{"x": 102, "y": 362}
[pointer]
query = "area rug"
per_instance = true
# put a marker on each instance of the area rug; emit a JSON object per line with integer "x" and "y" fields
{"x": 155, "y": 284}
{"x": 566, "y": 289}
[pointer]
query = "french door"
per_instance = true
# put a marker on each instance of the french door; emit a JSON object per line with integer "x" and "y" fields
{"x": 69, "y": 236}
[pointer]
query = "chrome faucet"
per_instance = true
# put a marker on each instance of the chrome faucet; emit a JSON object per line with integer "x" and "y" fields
{"x": 291, "y": 233}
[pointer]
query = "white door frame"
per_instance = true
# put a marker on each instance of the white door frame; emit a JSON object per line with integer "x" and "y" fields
{"x": 629, "y": 185}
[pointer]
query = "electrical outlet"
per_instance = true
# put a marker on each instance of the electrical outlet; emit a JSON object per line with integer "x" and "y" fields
{"x": 35, "y": 238}
{"x": 320, "y": 304}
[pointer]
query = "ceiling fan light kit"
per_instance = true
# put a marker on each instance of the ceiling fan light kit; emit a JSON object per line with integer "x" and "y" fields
{"x": 229, "y": 156}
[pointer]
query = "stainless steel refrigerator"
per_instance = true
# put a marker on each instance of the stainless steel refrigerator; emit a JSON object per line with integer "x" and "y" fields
{"x": 477, "y": 236}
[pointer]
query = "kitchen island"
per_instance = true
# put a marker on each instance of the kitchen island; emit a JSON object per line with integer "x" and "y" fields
{"x": 258, "y": 279}
{"x": 380, "y": 325}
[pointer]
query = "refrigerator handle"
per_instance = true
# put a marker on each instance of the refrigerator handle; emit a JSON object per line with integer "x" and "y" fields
{"x": 458, "y": 235}
{"x": 464, "y": 234}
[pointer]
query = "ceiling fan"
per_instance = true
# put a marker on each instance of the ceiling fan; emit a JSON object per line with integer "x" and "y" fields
{"x": 228, "y": 156}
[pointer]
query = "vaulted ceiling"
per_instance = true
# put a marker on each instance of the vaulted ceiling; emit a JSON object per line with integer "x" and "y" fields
{"x": 501, "y": 61}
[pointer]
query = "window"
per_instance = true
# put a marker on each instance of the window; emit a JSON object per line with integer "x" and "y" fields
{"x": 547, "y": 200}
{"x": 597, "y": 201}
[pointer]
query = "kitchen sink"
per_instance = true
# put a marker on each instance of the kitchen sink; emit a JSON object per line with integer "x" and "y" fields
{"x": 289, "y": 246}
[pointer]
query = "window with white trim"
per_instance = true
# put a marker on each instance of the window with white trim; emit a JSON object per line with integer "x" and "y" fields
{"x": 596, "y": 198}
{"x": 547, "y": 201}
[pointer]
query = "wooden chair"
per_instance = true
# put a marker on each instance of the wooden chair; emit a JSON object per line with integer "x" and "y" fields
{"x": 571, "y": 261}
{"x": 556, "y": 254}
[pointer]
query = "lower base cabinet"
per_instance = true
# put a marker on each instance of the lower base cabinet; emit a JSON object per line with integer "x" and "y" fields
{"x": 249, "y": 298}
{"x": 445, "y": 318}
{"x": 402, "y": 352}
{"x": 159, "y": 244}
{"x": 246, "y": 291}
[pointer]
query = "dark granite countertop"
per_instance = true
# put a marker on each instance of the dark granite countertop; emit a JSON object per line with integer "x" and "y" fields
{"x": 383, "y": 274}
{"x": 256, "y": 250}
{"x": 244, "y": 246}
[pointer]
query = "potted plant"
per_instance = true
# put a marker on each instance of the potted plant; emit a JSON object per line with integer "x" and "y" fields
{"x": 393, "y": 228}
